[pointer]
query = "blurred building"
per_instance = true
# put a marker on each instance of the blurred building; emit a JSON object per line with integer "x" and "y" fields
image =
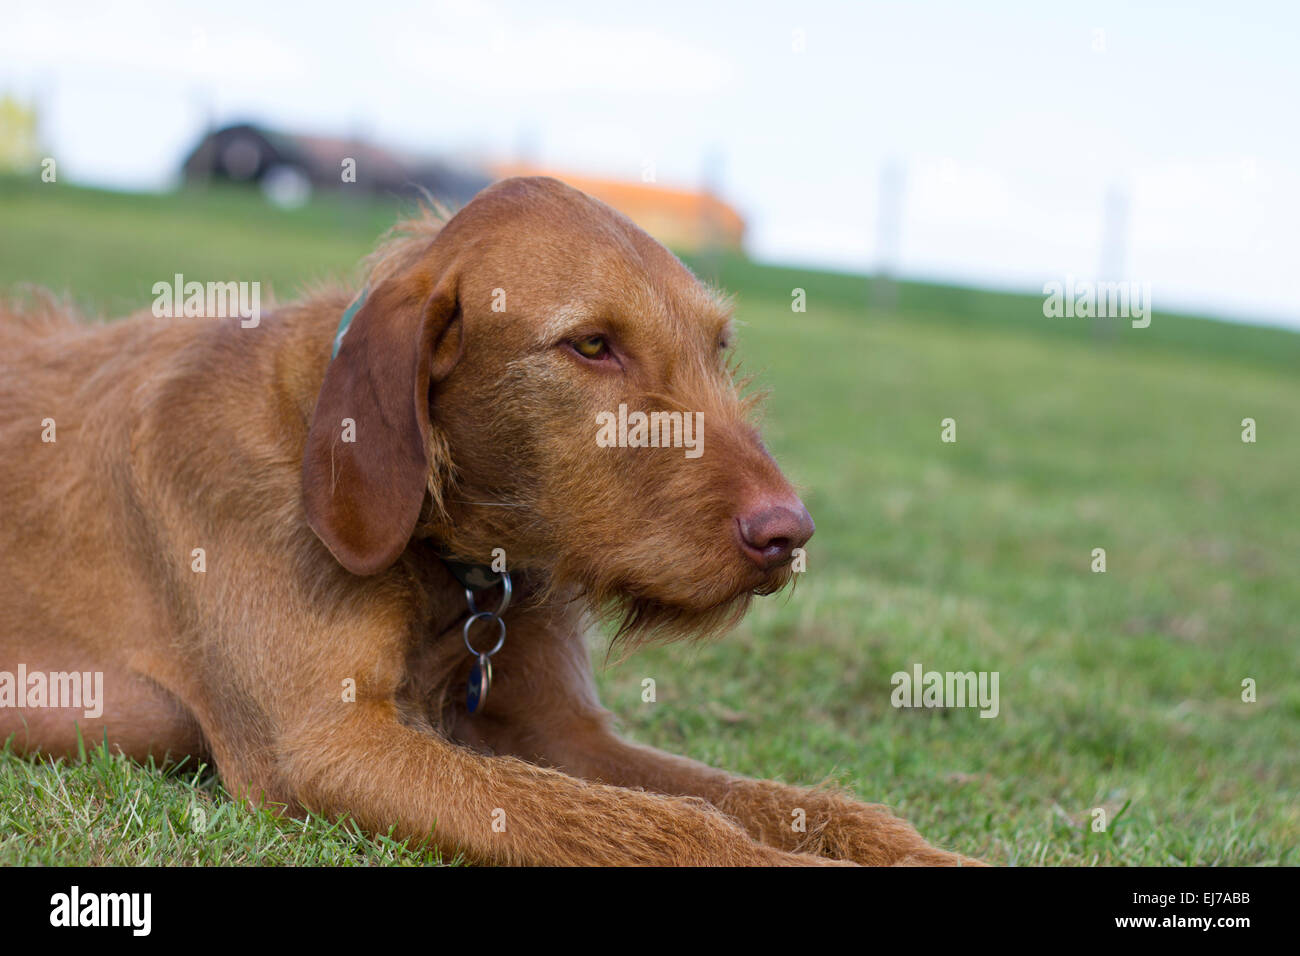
{"x": 687, "y": 220}
{"x": 289, "y": 166}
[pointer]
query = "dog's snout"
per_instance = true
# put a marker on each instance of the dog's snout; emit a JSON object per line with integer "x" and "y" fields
{"x": 771, "y": 530}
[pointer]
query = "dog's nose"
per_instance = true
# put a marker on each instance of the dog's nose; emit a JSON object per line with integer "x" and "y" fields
{"x": 772, "y": 529}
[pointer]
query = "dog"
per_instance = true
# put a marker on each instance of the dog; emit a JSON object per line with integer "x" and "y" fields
{"x": 292, "y": 549}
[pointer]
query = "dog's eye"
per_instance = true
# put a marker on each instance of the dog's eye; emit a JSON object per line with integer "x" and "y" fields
{"x": 592, "y": 347}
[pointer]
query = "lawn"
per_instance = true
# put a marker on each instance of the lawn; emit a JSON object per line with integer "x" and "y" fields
{"x": 1119, "y": 690}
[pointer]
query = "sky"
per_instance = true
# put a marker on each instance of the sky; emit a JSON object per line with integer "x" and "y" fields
{"x": 1017, "y": 143}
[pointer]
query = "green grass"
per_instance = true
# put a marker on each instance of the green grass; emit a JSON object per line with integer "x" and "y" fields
{"x": 1118, "y": 690}
{"x": 106, "y": 810}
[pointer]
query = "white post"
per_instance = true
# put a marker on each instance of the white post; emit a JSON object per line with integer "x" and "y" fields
{"x": 889, "y": 228}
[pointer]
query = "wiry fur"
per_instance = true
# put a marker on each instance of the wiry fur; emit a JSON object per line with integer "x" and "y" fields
{"x": 475, "y": 430}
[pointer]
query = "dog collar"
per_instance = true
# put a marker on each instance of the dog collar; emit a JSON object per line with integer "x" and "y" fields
{"x": 346, "y": 322}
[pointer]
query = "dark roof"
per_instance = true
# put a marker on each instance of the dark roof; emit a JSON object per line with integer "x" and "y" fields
{"x": 246, "y": 152}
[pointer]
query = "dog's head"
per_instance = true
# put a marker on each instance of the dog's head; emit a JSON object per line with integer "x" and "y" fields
{"x": 541, "y": 376}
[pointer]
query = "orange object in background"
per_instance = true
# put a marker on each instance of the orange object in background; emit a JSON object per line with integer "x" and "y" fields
{"x": 683, "y": 219}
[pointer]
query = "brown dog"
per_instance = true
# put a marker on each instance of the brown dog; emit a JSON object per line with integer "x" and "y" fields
{"x": 246, "y": 536}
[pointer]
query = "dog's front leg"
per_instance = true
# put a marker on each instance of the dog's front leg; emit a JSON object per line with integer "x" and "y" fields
{"x": 382, "y": 773}
{"x": 547, "y": 711}
{"x": 796, "y": 819}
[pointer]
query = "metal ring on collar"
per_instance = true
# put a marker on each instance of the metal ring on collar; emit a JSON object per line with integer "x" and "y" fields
{"x": 501, "y": 632}
{"x": 506, "y": 591}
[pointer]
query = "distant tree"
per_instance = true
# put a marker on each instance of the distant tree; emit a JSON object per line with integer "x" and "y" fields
{"x": 18, "y": 148}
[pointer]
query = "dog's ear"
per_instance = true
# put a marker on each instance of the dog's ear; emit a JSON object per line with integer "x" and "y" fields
{"x": 366, "y": 463}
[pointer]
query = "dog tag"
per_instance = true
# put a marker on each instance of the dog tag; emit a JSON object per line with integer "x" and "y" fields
{"x": 480, "y": 674}
{"x": 480, "y": 682}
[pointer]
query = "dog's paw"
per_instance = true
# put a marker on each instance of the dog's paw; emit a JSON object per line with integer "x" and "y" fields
{"x": 872, "y": 836}
{"x": 933, "y": 856}
{"x": 783, "y": 858}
